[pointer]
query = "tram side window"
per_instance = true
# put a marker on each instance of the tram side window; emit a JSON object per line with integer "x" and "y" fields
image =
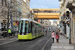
{"x": 37, "y": 29}
{"x": 33, "y": 28}
{"x": 29, "y": 27}
{"x": 26, "y": 27}
{"x": 40, "y": 29}
{"x": 18, "y": 27}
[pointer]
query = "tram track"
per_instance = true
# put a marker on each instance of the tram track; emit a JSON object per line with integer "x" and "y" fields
{"x": 36, "y": 44}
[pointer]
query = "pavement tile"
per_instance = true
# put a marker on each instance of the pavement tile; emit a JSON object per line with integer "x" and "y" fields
{"x": 62, "y": 45}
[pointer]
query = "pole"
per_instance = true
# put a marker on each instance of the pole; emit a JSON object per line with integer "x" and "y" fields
{"x": 8, "y": 21}
{"x": 11, "y": 21}
{"x": 8, "y": 18}
{"x": 70, "y": 33}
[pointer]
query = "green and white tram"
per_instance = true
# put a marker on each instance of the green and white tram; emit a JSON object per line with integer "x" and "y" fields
{"x": 29, "y": 29}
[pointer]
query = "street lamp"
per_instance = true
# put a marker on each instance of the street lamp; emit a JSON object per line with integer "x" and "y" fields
{"x": 68, "y": 23}
{"x": 9, "y": 16}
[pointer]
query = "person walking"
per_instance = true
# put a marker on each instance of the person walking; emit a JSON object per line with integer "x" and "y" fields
{"x": 46, "y": 32}
{"x": 9, "y": 32}
{"x": 57, "y": 37}
{"x": 53, "y": 36}
{"x": 60, "y": 32}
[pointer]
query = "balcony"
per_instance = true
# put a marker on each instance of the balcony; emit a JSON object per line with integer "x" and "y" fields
{"x": 47, "y": 11}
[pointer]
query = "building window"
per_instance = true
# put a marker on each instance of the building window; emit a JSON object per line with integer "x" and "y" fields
{"x": 24, "y": 0}
{"x": 5, "y": 3}
{"x": 2, "y": 2}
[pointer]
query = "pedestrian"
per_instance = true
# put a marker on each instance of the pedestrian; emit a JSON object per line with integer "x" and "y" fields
{"x": 9, "y": 32}
{"x": 57, "y": 31}
{"x": 46, "y": 32}
{"x": 53, "y": 36}
{"x": 60, "y": 32}
{"x": 57, "y": 37}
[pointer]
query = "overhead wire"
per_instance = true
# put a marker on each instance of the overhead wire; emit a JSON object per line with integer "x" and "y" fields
{"x": 37, "y": 9}
{"x": 38, "y": 4}
{"x": 46, "y": 3}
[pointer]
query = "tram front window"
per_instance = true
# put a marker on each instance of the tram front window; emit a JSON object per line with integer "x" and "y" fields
{"x": 23, "y": 27}
{"x": 26, "y": 27}
{"x": 20, "y": 27}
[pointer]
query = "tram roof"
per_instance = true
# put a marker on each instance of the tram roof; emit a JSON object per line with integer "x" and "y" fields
{"x": 37, "y": 22}
{"x": 31, "y": 20}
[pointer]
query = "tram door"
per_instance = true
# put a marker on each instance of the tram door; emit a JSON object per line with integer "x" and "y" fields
{"x": 33, "y": 29}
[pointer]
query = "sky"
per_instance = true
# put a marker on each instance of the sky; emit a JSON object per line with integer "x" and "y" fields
{"x": 44, "y": 4}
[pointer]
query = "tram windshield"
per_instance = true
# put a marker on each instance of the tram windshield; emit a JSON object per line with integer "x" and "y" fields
{"x": 23, "y": 27}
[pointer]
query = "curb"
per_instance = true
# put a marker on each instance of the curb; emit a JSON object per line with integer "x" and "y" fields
{"x": 7, "y": 37}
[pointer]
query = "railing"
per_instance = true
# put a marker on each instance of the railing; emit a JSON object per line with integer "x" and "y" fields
{"x": 46, "y": 11}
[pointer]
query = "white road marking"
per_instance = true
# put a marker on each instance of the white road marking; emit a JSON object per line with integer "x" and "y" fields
{"x": 45, "y": 44}
{"x": 24, "y": 42}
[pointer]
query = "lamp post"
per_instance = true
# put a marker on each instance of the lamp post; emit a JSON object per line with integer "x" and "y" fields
{"x": 69, "y": 24}
{"x": 8, "y": 16}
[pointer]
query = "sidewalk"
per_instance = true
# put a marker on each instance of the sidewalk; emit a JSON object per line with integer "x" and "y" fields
{"x": 8, "y": 39}
{"x": 62, "y": 45}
